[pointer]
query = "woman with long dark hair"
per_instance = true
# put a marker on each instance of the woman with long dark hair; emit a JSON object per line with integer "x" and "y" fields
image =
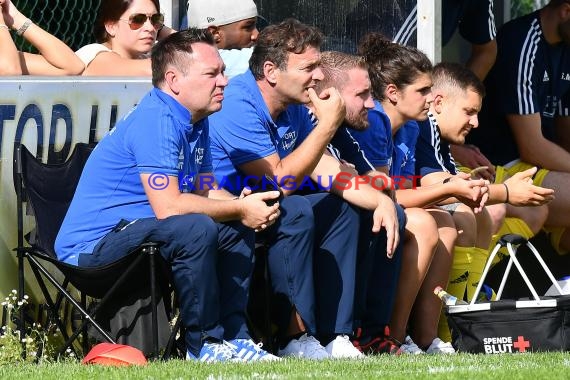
{"x": 125, "y": 32}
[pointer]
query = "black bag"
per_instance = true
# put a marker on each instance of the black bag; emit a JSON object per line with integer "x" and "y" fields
{"x": 505, "y": 326}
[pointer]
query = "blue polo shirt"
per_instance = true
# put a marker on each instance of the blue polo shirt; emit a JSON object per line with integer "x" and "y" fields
{"x": 433, "y": 154}
{"x": 530, "y": 76}
{"x": 156, "y": 137}
{"x": 243, "y": 131}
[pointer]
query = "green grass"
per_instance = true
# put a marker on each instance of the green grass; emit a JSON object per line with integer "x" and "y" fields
{"x": 462, "y": 366}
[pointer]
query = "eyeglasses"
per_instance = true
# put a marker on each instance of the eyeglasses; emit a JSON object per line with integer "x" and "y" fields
{"x": 137, "y": 20}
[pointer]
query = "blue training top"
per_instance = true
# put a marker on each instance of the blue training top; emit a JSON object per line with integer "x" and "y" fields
{"x": 404, "y": 157}
{"x": 432, "y": 152}
{"x": 530, "y": 76}
{"x": 156, "y": 137}
{"x": 397, "y": 152}
{"x": 474, "y": 18}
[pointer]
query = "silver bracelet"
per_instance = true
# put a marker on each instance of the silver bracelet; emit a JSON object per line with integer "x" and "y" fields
{"x": 24, "y": 27}
{"x": 4, "y": 26}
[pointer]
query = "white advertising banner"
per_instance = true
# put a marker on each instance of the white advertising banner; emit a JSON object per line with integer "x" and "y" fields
{"x": 51, "y": 115}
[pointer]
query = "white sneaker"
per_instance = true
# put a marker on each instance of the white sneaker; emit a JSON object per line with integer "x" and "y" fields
{"x": 249, "y": 351}
{"x": 342, "y": 348}
{"x": 306, "y": 347}
{"x": 438, "y": 346}
{"x": 215, "y": 352}
{"x": 410, "y": 347}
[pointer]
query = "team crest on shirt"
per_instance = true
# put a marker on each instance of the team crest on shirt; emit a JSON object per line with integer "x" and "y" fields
{"x": 406, "y": 154}
{"x": 288, "y": 140}
{"x": 546, "y": 78}
{"x": 550, "y": 106}
{"x": 565, "y": 76}
{"x": 199, "y": 155}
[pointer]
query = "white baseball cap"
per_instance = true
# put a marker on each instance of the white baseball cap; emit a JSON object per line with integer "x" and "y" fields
{"x": 204, "y": 13}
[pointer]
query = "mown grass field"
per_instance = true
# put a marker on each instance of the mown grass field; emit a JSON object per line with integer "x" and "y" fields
{"x": 526, "y": 366}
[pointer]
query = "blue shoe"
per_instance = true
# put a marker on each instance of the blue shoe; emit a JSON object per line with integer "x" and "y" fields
{"x": 246, "y": 350}
{"x": 214, "y": 352}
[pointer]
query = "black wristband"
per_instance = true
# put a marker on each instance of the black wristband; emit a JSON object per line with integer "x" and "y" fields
{"x": 506, "y": 191}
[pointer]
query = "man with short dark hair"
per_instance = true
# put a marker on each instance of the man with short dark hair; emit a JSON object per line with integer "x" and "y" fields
{"x": 458, "y": 94}
{"x": 265, "y": 128}
{"x": 141, "y": 184}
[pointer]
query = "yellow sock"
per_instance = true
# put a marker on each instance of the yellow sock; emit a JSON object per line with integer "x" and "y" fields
{"x": 462, "y": 259}
{"x": 479, "y": 257}
{"x": 443, "y": 328}
{"x": 457, "y": 284}
{"x": 509, "y": 226}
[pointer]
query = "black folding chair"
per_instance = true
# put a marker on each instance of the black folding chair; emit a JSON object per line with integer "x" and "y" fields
{"x": 48, "y": 189}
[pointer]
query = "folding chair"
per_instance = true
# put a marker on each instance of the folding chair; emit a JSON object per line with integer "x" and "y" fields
{"x": 48, "y": 190}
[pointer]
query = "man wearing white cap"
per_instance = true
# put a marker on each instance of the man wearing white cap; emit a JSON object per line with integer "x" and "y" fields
{"x": 233, "y": 25}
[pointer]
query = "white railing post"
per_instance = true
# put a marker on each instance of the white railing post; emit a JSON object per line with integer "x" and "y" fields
{"x": 429, "y": 29}
{"x": 171, "y": 10}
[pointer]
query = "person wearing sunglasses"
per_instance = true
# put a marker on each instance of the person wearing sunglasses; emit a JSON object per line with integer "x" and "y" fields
{"x": 125, "y": 32}
{"x": 55, "y": 57}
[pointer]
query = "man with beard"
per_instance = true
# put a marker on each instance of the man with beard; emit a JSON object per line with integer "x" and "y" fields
{"x": 525, "y": 116}
{"x": 265, "y": 129}
{"x": 378, "y": 275}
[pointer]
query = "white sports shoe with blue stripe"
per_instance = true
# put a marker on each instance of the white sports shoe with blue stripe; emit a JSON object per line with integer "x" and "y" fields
{"x": 214, "y": 352}
{"x": 248, "y": 351}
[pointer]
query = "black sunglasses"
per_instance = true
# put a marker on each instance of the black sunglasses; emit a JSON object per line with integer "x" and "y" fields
{"x": 137, "y": 20}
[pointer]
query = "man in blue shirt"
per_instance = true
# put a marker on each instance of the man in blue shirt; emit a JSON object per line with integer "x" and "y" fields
{"x": 525, "y": 119}
{"x": 265, "y": 128}
{"x": 139, "y": 185}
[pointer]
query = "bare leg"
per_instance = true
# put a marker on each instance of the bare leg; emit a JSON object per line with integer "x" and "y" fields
{"x": 296, "y": 325}
{"x": 466, "y": 225}
{"x": 427, "y": 308}
{"x": 419, "y": 246}
{"x": 534, "y": 217}
{"x": 559, "y": 208}
{"x": 497, "y": 213}
{"x": 484, "y": 229}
